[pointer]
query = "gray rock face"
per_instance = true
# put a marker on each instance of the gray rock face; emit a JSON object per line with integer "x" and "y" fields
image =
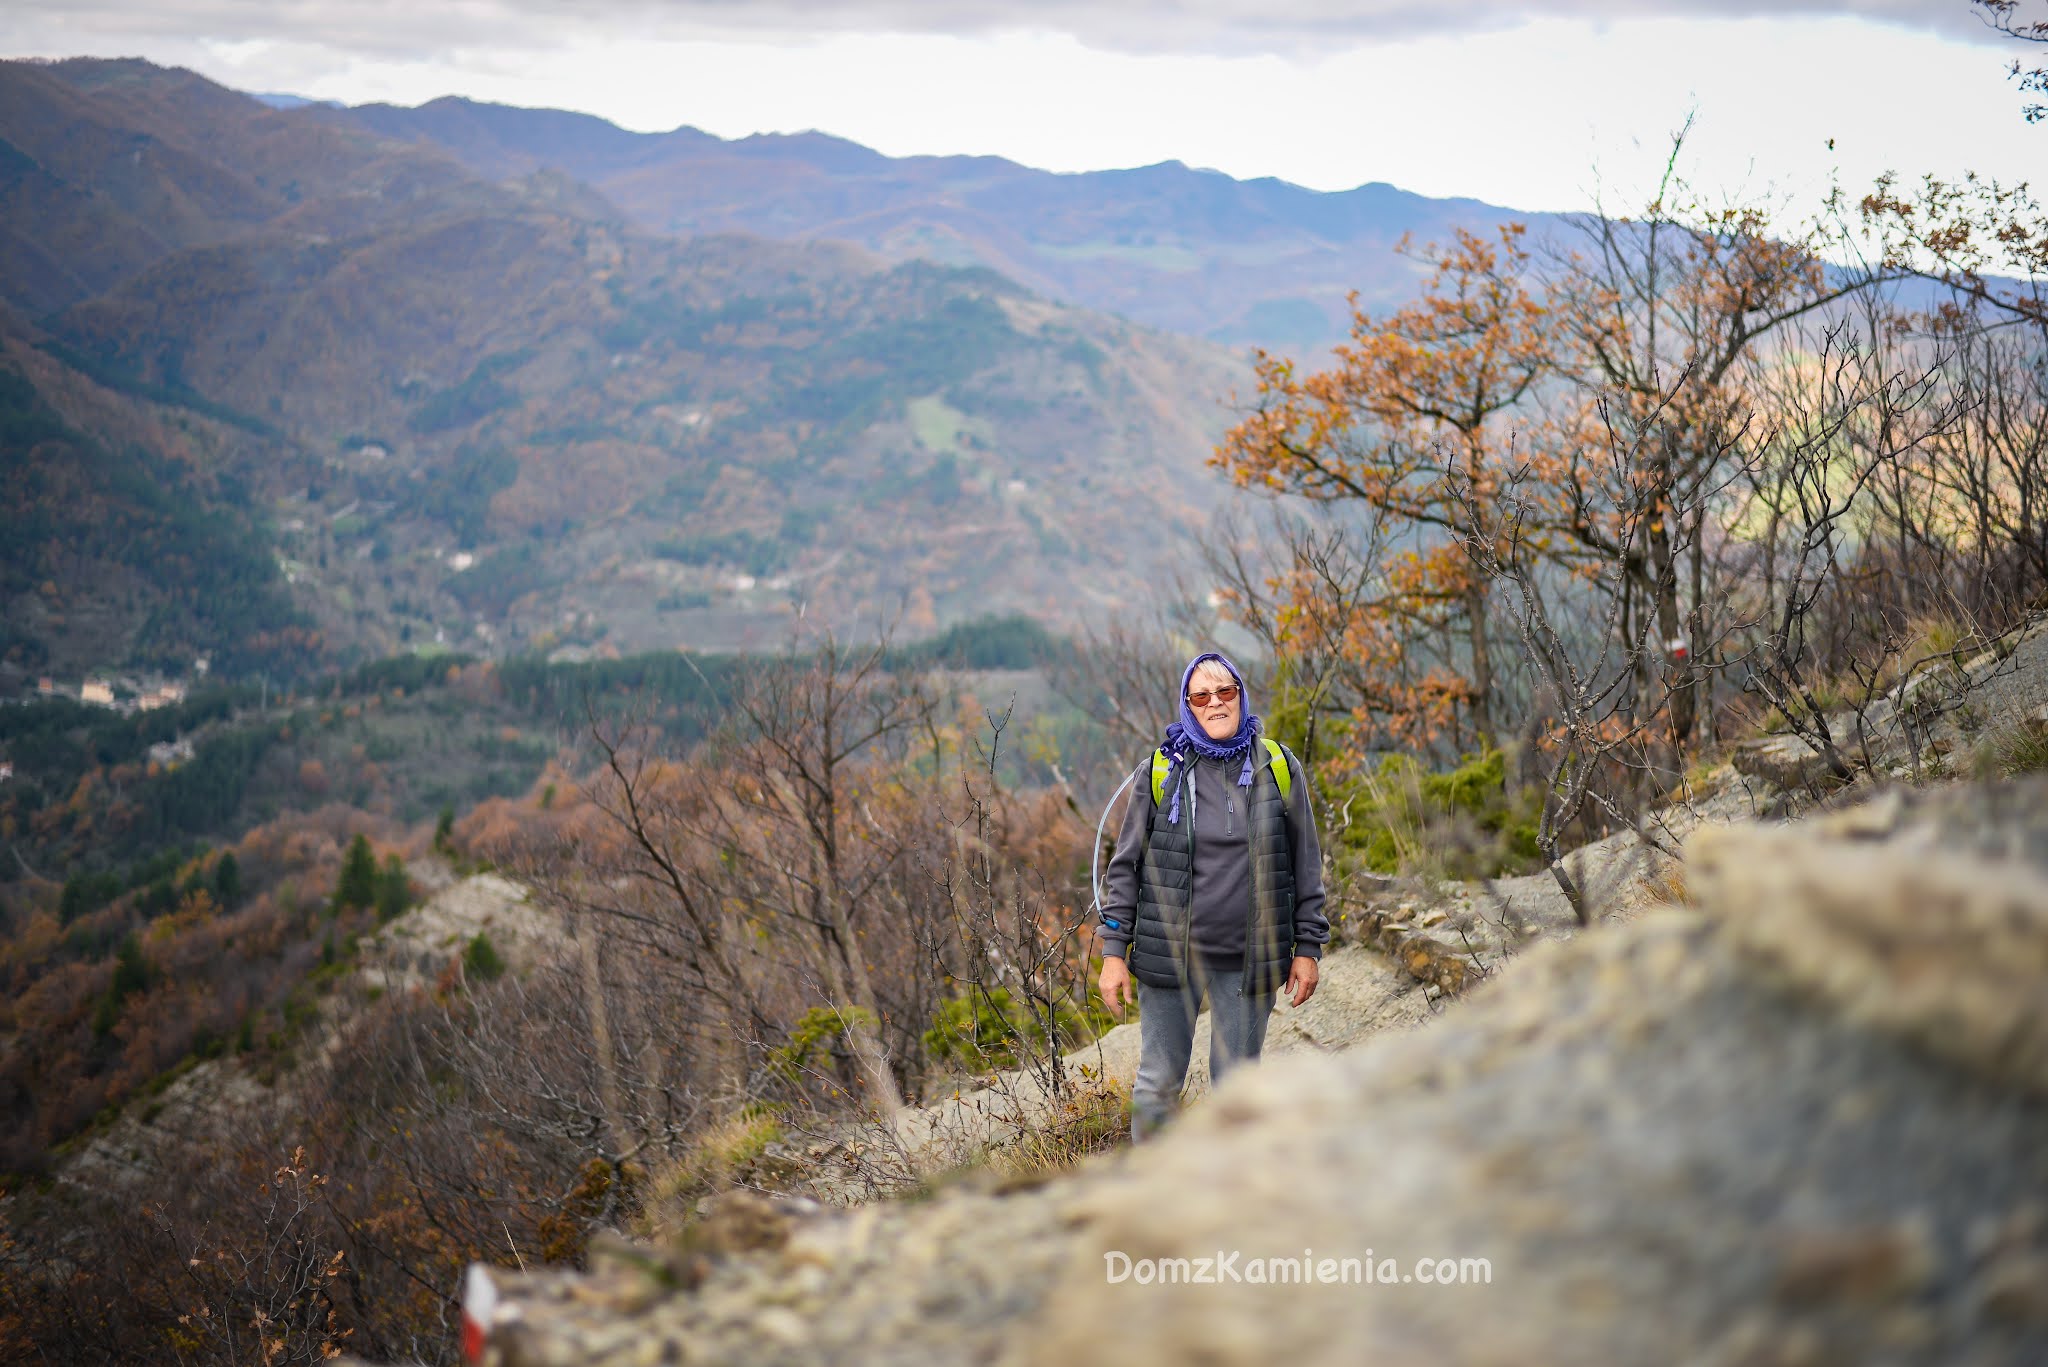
{"x": 1921, "y": 913}
{"x": 1783, "y": 761}
{"x": 1797, "y": 1123}
{"x": 1661, "y": 1159}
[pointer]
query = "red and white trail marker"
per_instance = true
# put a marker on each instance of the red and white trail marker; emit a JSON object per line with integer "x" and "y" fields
{"x": 479, "y": 1303}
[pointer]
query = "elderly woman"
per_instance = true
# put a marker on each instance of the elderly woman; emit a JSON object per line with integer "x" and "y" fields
{"x": 1215, "y": 889}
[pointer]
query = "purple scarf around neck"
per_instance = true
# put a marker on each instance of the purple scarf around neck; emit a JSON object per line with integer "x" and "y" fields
{"x": 1186, "y": 736}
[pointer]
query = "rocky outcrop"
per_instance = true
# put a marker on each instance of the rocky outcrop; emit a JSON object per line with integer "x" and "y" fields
{"x": 1941, "y": 711}
{"x": 1924, "y": 914}
{"x": 1783, "y": 761}
{"x": 413, "y": 950}
{"x": 1795, "y": 1122}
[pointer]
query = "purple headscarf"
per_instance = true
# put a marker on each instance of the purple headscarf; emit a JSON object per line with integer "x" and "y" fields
{"x": 1186, "y": 735}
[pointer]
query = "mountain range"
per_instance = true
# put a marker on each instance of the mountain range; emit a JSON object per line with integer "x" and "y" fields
{"x": 292, "y": 385}
{"x": 1242, "y": 262}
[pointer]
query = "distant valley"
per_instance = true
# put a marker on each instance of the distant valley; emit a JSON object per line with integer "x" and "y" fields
{"x": 415, "y": 408}
{"x": 287, "y": 387}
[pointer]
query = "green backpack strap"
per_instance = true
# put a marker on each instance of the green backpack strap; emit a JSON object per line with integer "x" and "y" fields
{"x": 1281, "y": 776}
{"x": 1279, "y": 764}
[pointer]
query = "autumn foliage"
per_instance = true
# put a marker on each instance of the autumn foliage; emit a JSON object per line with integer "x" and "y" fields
{"x": 1413, "y": 398}
{"x": 1582, "y": 407}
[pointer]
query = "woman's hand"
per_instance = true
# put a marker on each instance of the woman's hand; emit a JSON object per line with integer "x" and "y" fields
{"x": 1301, "y": 980}
{"x": 1116, "y": 984}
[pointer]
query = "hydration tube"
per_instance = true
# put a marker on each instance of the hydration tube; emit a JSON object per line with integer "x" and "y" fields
{"x": 1095, "y": 853}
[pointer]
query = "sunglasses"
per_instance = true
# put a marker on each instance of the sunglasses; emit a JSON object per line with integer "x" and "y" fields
{"x": 1227, "y": 693}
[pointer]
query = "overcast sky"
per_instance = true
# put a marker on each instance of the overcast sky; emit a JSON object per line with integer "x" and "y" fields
{"x": 1538, "y": 104}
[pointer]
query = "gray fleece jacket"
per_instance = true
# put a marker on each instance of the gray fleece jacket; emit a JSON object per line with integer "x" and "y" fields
{"x": 1223, "y": 876}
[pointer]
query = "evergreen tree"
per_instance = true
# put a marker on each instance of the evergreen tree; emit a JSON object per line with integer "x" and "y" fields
{"x": 131, "y": 975}
{"x": 358, "y": 885}
{"x": 394, "y": 890}
{"x": 131, "y": 969}
{"x": 227, "y": 881}
{"x": 481, "y": 960}
{"x": 72, "y": 904}
{"x": 159, "y": 897}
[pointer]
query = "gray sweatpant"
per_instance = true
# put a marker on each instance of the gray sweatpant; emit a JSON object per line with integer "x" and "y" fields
{"x": 1166, "y": 1040}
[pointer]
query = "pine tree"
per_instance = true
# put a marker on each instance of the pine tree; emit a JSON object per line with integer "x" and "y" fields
{"x": 394, "y": 890}
{"x": 227, "y": 881}
{"x": 131, "y": 975}
{"x": 358, "y": 885}
{"x": 482, "y": 960}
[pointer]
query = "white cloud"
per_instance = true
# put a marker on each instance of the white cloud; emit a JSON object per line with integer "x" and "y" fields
{"x": 401, "y": 29}
{"x": 1526, "y": 115}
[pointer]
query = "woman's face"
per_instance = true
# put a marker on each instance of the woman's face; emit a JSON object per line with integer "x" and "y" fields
{"x": 1218, "y": 717}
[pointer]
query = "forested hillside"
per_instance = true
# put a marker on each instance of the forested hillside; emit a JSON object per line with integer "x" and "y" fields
{"x": 499, "y": 416}
{"x": 174, "y": 902}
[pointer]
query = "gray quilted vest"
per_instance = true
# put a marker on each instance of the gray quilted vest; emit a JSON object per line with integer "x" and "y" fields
{"x": 1159, "y": 941}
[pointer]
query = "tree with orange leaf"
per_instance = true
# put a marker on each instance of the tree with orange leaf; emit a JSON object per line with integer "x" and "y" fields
{"x": 1411, "y": 398}
{"x": 1510, "y": 367}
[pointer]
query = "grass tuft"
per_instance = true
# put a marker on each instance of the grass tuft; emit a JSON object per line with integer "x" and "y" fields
{"x": 721, "y": 1155}
{"x": 1092, "y": 1122}
{"x": 2015, "y": 750}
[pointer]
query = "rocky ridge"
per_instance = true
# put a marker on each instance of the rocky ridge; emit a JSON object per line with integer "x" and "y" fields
{"x": 1798, "y": 1121}
{"x": 204, "y": 1103}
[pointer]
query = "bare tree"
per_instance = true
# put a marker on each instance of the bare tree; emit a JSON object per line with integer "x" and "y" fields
{"x": 1594, "y": 747}
{"x": 1658, "y": 313}
{"x": 652, "y": 880}
{"x": 1120, "y": 677}
{"x": 2004, "y": 17}
{"x": 1010, "y": 938}
{"x": 1313, "y": 582}
{"x": 820, "y": 860}
{"x": 1831, "y": 480}
{"x": 1989, "y": 470}
{"x": 265, "y": 1293}
{"x": 760, "y": 866}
